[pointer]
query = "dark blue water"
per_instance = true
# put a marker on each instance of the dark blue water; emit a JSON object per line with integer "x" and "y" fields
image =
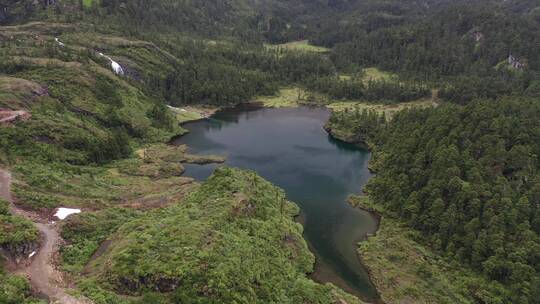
{"x": 290, "y": 148}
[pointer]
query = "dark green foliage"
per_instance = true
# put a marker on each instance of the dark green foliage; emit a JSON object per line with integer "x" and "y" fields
{"x": 231, "y": 241}
{"x": 468, "y": 179}
{"x": 228, "y": 74}
{"x": 161, "y": 116}
{"x": 387, "y": 91}
{"x": 444, "y": 43}
{"x": 4, "y": 207}
{"x": 15, "y": 290}
{"x": 14, "y": 230}
{"x": 114, "y": 147}
{"x": 105, "y": 91}
{"x": 355, "y": 126}
{"x": 466, "y": 89}
{"x": 211, "y": 83}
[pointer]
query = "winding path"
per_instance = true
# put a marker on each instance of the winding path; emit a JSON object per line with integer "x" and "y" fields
{"x": 43, "y": 276}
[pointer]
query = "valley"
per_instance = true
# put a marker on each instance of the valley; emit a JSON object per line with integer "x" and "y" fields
{"x": 295, "y": 151}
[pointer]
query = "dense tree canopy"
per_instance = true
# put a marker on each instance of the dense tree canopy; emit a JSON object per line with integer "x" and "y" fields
{"x": 468, "y": 178}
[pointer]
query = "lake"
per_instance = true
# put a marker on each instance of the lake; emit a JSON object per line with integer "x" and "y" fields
{"x": 290, "y": 148}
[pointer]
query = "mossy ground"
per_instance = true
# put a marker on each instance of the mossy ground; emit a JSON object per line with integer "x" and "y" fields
{"x": 287, "y": 97}
{"x": 389, "y": 110}
{"x": 404, "y": 271}
{"x": 233, "y": 240}
{"x": 371, "y": 74}
{"x": 57, "y": 161}
{"x": 375, "y": 74}
{"x": 77, "y": 103}
{"x": 302, "y": 46}
{"x": 150, "y": 178}
{"x": 16, "y": 93}
{"x": 15, "y": 231}
{"x": 15, "y": 289}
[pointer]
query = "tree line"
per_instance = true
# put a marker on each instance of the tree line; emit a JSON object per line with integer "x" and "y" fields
{"x": 468, "y": 178}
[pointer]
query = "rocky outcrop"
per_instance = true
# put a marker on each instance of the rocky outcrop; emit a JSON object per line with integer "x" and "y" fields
{"x": 20, "y": 251}
{"x": 344, "y": 135}
{"x": 20, "y": 93}
{"x": 515, "y": 63}
{"x": 7, "y": 116}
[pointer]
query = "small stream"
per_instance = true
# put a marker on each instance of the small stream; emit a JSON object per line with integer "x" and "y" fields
{"x": 290, "y": 148}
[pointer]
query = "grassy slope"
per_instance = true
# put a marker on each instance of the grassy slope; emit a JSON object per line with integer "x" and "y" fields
{"x": 53, "y": 170}
{"x": 287, "y": 97}
{"x": 389, "y": 110}
{"x": 404, "y": 271}
{"x": 344, "y": 128}
{"x": 231, "y": 241}
{"x": 80, "y": 101}
{"x": 302, "y": 46}
{"x": 374, "y": 74}
{"x": 76, "y": 100}
{"x": 14, "y": 231}
{"x": 15, "y": 290}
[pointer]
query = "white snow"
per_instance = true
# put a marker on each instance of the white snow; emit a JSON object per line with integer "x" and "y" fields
{"x": 62, "y": 213}
{"x": 59, "y": 42}
{"x": 117, "y": 68}
{"x": 32, "y": 254}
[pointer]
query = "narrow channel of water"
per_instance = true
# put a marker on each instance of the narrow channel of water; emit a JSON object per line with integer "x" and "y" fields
{"x": 290, "y": 148}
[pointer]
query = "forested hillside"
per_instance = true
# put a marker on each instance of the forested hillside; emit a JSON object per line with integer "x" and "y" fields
{"x": 93, "y": 89}
{"x": 467, "y": 179}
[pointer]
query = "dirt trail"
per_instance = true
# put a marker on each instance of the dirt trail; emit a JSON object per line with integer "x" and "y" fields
{"x": 44, "y": 278}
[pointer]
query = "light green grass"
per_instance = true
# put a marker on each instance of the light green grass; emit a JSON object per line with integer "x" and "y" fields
{"x": 185, "y": 116}
{"x": 191, "y": 113}
{"x": 87, "y": 3}
{"x": 286, "y": 97}
{"x": 374, "y": 74}
{"x": 404, "y": 271}
{"x": 370, "y": 74}
{"x": 388, "y": 109}
{"x": 302, "y": 46}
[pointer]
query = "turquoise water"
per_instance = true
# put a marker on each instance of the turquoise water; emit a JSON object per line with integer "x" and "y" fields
{"x": 290, "y": 148}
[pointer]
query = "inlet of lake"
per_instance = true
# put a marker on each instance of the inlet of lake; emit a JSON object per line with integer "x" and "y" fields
{"x": 290, "y": 148}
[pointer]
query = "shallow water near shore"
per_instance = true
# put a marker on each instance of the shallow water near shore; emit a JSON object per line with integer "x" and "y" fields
{"x": 290, "y": 148}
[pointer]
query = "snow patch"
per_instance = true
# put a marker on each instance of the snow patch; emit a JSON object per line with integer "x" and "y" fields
{"x": 62, "y": 213}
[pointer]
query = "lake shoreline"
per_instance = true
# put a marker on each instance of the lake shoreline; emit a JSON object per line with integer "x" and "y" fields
{"x": 370, "y": 210}
{"x": 322, "y": 271}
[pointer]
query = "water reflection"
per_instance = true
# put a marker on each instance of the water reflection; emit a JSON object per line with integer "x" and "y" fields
{"x": 290, "y": 148}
